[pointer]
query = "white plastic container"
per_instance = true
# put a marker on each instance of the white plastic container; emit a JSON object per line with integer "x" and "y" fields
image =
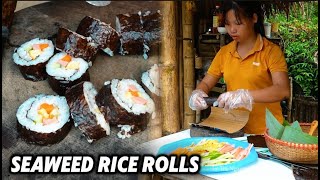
{"x": 267, "y": 29}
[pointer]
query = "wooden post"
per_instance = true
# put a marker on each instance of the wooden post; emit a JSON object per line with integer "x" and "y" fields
{"x": 169, "y": 70}
{"x": 188, "y": 61}
{"x": 289, "y": 112}
{"x": 180, "y": 58}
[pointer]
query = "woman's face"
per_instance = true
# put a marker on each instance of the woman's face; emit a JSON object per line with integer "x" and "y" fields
{"x": 239, "y": 31}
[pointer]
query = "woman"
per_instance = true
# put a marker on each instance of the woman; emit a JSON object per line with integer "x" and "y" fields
{"x": 254, "y": 69}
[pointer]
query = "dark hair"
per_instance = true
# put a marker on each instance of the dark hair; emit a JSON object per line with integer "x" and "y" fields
{"x": 247, "y": 9}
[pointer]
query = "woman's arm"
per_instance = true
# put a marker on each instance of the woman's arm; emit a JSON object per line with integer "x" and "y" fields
{"x": 279, "y": 91}
{"x": 207, "y": 83}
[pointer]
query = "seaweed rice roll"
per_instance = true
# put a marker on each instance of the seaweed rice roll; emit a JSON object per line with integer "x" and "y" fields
{"x": 65, "y": 71}
{"x": 44, "y": 119}
{"x": 31, "y": 58}
{"x": 85, "y": 113}
{"x": 125, "y": 104}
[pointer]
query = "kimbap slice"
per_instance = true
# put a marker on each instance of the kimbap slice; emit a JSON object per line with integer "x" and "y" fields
{"x": 76, "y": 45}
{"x": 151, "y": 83}
{"x": 44, "y": 119}
{"x": 31, "y": 58}
{"x": 151, "y": 22}
{"x": 151, "y": 80}
{"x": 125, "y": 104}
{"x": 65, "y": 71}
{"x": 103, "y": 34}
{"x": 131, "y": 30}
{"x": 85, "y": 113}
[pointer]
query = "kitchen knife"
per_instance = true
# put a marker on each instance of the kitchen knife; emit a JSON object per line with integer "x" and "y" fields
{"x": 211, "y": 101}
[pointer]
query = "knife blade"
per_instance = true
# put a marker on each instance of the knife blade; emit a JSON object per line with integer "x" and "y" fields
{"x": 288, "y": 164}
{"x": 211, "y": 101}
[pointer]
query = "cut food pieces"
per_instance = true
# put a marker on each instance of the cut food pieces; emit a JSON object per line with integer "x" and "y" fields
{"x": 76, "y": 45}
{"x": 124, "y": 102}
{"x": 44, "y": 119}
{"x": 65, "y": 71}
{"x": 107, "y": 38}
{"x": 85, "y": 113}
{"x": 31, "y": 58}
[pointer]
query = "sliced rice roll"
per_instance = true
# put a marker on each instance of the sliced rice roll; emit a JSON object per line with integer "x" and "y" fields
{"x": 44, "y": 119}
{"x": 151, "y": 80}
{"x": 125, "y": 104}
{"x": 31, "y": 58}
{"x": 76, "y": 45}
{"x": 65, "y": 71}
{"x": 151, "y": 83}
{"x": 103, "y": 34}
{"x": 131, "y": 30}
{"x": 151, "y": 22}
{"x": 85, "y": 112}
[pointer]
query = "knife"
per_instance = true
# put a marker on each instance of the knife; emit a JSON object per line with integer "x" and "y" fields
{"x": 211, "y": 101}
{"x": 288, "y": 164}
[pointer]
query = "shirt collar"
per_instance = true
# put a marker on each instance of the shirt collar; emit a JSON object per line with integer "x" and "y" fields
{"x": 257, "y": 47}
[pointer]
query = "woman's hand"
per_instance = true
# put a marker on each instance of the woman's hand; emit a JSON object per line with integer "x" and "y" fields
{"x": 235, "y": 99}
{"x": 196, "y": 101}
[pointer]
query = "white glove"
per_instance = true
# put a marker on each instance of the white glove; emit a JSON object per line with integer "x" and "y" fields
{"x": 196, "y": 101}
{"x": 235, "y": 99}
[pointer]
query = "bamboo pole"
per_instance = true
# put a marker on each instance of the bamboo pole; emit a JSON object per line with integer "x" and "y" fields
{"x": 180, "y": 59}
{"x": 188, "y": 61}
{"x": 169, "y": 70}
{"x": 155, "y": 123}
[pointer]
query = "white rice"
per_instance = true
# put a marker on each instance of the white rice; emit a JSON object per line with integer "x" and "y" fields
{"x": 90, "y": 94}
{"x": 22, "y": 57}
{"x": 108, "y": 51}
{"x": 28, "y": 111}
{"x": 125, "y": 131}
{"x": 151, "y": 79}
{"x": 66, "y": 74}
{"x": 119, "y": 88}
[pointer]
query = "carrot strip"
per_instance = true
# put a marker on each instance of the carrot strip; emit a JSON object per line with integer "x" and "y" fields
{"x": 47, "y": 107}
{"x": 43, "y": 46}
{"x": 67, "y": 58}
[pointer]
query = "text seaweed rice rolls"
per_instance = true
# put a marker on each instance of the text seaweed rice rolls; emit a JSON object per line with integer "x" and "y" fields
{"x": 31, "y": 58}
{"x": 85, "y": 113}
{"x": 125, "y": 104}
{"x": 44, "y": 119}
{"x": 65, "y": 71}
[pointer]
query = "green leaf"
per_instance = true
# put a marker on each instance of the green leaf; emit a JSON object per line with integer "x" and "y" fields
{"x": 275, "y": 129}
{"x": 290, "y": 134}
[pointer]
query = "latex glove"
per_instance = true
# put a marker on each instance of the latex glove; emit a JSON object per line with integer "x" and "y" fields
{"x": 236, "y": 99}
{"x": 196, "y": 101}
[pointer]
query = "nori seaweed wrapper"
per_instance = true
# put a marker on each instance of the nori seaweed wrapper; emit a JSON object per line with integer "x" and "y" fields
{"x": 116, "y": 114}
{"x": 152, "y": 25}
{"x": 131, "y": 30}
{"x": 80, "y": 112}
{"x": 35, "y": 72}
{"x": 76, "y": 45}
{"x": 60, "y": 86}
{"x": 129, "y": 22}
{"x": 103, "y": 34}
{"x": 8, "y": 8}
{"x": 44, "y": 138}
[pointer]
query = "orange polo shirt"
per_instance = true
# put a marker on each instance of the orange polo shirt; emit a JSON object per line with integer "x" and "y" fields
{"x": 252, "y": 73}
